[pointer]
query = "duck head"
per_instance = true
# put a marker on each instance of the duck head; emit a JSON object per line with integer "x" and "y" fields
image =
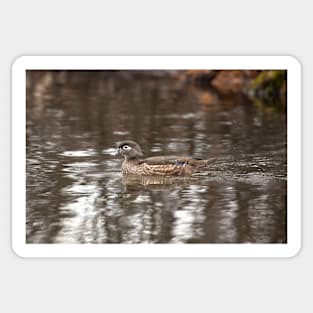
{"x": 129, "y": 149}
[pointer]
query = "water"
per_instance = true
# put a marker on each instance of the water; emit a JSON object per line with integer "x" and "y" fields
{"x": 76, "y": 193}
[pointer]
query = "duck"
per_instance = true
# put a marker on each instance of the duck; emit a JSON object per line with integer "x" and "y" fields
{"x": 135, "y": 164}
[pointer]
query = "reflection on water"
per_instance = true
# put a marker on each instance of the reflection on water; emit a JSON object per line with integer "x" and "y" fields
{"x": 76, "y": 193}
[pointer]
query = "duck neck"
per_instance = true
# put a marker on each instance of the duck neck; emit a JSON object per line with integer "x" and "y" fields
{"x": 131, "y": 159}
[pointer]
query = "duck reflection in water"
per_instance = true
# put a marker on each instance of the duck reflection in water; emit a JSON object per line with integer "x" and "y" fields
{"x": 156, "y": 181}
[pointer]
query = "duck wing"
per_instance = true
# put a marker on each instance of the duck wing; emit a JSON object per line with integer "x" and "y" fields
{"x": 160, "y": 160}
{"x": 177, "y": 160}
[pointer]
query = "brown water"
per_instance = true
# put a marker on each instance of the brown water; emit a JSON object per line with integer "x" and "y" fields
{"x": 76, "y": 193}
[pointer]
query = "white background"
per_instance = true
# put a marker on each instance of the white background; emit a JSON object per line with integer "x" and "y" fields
{"x": 162, "y": 27}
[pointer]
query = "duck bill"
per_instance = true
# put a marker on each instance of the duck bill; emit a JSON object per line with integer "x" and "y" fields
{"x": 118, "y": 152}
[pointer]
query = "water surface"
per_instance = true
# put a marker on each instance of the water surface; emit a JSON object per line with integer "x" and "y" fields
{"x": 76, "y": 193}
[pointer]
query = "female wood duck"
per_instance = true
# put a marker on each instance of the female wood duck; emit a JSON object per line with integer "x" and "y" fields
{"x": 159, "y": 165}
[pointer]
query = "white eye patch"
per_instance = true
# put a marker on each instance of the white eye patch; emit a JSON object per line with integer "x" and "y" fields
{"x": 126, "y": 147}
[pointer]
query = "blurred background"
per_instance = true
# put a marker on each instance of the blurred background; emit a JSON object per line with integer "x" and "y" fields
{"x": 76, "y": 193}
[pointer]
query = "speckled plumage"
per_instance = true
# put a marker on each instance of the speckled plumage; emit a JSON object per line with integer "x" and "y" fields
{"x": 159, "y": 166}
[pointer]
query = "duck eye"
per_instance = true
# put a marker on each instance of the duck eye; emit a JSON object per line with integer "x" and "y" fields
{"x": 126, "y": 147}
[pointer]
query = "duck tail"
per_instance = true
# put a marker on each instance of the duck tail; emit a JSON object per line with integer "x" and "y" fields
{"x": 198, "y": 163}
